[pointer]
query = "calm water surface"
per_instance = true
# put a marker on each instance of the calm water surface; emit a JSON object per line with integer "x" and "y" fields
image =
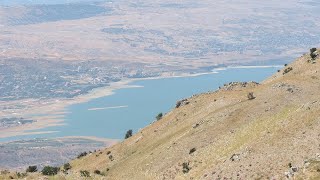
{"x": 134, "y": 108}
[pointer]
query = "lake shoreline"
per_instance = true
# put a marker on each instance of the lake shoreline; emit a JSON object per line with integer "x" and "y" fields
{"x": 61, "y": 107}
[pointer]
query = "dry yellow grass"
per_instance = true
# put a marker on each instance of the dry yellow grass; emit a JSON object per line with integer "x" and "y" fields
{"x": 234, "y": 138}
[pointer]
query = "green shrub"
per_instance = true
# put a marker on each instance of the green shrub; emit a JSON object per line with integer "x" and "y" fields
{"x": 32, "y": 169}
{"x": 97, "y": 172}
{"x": 66, "y": 166}
{"x": 185, "y": 167}
{"x": 287, "y": 70}
{"x": 312, "y": 53}
{"x": 128, "y": 134}
{"x": 85, "y": 173}
{"x": 50, "y": 171}
{"x": 159, "y": 116}
{"x": 192, "y": 150}
{"x": 82, "y": 155}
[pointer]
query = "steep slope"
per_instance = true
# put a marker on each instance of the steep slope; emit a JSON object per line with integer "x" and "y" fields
{"x": 233, "y": 137}
{"x": 223, "y": 134}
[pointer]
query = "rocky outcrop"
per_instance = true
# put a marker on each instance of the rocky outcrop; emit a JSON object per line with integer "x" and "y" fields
{"x": 182, "y": 102}
{"x": 238, "y": 85}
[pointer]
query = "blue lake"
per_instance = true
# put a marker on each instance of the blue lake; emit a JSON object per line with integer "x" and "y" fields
{"x": 139, "y": 106}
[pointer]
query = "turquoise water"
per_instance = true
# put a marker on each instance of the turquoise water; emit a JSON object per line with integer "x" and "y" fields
{"x": 139, "y": 106}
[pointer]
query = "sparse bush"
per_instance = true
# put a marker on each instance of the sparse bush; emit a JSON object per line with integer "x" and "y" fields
{"x": 159, "y": 116}
{"x": 312, "y": 53}
{"x": 82, "y": 155}
{"x": 192, "y": 150}
{"x": 50, "y": 171}
{"x": 178, "y": 104}
{"x": 85, "y": 173}
{"x": 287, "y": 70}
{"x": 285, "y": 64}
{"x": 313, "y": 56}
{"x": 250, "y": 96}
{"x": 109, "y": 152}
{"x": 185, "y": 167}
{"x": 32, "y": 169}
{"x": 21, "y": 175}
{"x": 312, "y": 50}
{"x": 128, "y": 134}
{"x": 97, "y": 172}
{"x": 66, "y": 166}
{"x": 111, "y": 158}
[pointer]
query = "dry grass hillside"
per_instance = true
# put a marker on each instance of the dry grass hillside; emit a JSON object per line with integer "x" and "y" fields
{"x": 225, "y": 135}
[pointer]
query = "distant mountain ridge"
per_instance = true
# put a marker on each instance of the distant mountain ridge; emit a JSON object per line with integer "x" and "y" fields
{"x": 41, "y": 2}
